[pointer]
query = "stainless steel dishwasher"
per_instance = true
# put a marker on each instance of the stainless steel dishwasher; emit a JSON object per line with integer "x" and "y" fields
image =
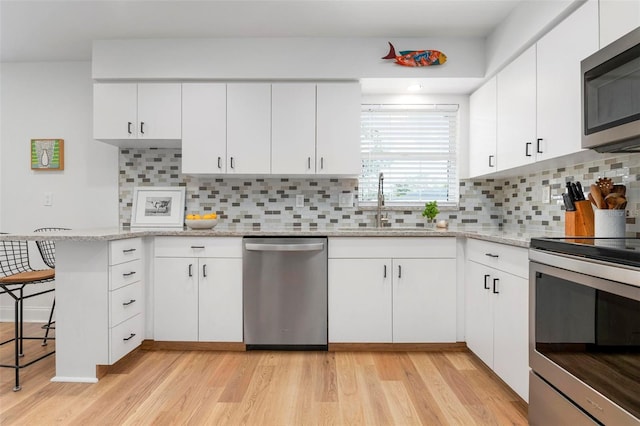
{"x": 285, "y": 293}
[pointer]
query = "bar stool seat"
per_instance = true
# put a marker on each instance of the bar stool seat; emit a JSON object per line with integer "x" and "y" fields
{"x": 16, "y": 275}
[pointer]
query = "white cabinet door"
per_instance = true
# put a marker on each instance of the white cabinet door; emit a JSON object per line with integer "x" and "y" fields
{"x": 424, "y": 300}
{"x": 511, "y": 332}
{"x": 220, "y": 300}
{"x": 360, "y": 301}
{"x": 293, "y": 132}
{"x": 517, "y": 111}
{"x": 175, "y": 299}
{"x": 617, "y": 18}
{"x": 249, "y": 128}
{"x": 479, "y": 311}
{"x": 204, "y": 128}
{"x": 559, "y": 106}
{"x": 115, "y": 111}
{"x": 338, "y": 129}
{"x": 482, "y": 130}
{"x": 159, "y": 111}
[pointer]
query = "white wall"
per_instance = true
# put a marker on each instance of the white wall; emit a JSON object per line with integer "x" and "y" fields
{"x": 52, "y": 100}
{"x": 280, "y": 58}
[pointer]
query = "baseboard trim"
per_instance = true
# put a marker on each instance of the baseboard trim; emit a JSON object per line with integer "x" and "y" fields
{"x": 399, "y": 347}
{"x": 155, "y": 345}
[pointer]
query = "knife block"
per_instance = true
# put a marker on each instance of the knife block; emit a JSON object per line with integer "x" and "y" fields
{"x": 580, "y": 223}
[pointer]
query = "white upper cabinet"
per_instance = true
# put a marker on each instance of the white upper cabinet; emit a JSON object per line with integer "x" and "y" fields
{"x": 516, "y": 100}
{"x": 558, "y": 86}
{"x": 126, "y": 112}
{"x": 249, "y": 128}
{"x": 293, "y": 133}
{"x": 482, "y": 130}
{"x": 204, "y": 128}
{"x": 617, "y": 18}
{"x": 338, "y": 129}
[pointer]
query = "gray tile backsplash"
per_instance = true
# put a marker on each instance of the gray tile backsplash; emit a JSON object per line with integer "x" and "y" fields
{"x": 270, "y": 202}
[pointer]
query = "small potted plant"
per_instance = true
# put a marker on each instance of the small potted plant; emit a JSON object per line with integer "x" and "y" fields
{"x": 430, "y": 211}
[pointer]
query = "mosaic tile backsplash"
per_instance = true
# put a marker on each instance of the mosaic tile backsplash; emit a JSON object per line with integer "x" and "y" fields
{"x": 270, "y": 202}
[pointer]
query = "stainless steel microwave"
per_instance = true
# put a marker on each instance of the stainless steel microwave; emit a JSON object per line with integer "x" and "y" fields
{"x": 611, "y": 96}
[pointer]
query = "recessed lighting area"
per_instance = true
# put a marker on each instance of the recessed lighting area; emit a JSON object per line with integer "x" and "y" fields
{"x": 414, "y": 87}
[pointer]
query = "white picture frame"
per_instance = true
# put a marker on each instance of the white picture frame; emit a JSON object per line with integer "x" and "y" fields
{"x": 158, "y": 207}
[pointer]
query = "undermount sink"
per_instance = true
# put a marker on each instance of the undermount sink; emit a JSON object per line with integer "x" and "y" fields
{"x": 387, "y": 229}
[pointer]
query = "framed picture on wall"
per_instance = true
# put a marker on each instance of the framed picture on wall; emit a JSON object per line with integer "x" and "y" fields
{"x": 47, "y": 154}
{"x": 158, "y": 207}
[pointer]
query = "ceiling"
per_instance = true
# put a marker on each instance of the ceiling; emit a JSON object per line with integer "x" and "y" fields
{"x": 59, "y": 30}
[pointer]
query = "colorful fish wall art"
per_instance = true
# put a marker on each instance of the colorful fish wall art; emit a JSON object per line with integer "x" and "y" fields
{"x": 416, "y": 58}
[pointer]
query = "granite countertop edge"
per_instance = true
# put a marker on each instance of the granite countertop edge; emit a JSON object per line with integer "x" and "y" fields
{"x": 514, "y": 237}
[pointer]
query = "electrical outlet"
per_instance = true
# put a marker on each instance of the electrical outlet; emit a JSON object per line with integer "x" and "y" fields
{"x": 299, "y": 200}
{"x": 546, "y": 194}
{"x": 345, "y": 200}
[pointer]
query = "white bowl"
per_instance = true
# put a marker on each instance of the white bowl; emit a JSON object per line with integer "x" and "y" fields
{"x": 201, "y": 223}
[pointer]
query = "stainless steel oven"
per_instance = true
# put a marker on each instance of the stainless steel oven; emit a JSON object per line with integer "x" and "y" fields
{"x": 611, "y": 96}
{"x": 584, "y": 331}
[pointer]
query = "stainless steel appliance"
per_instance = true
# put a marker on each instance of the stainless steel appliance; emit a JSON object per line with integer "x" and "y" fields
{"x": 611, "y": 96}
{"x": 285, "y": 293}
{"x": 584, "y": 331}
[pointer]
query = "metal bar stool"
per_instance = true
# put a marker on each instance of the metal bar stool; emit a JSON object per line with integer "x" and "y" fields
{"x": 47, "y": 250}
{"x": 15, "y": 275}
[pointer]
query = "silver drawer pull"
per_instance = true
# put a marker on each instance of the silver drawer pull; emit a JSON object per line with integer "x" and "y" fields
{"x": 128, "y": 274}
{"x": 491, "y": 255}
{"x": 131, "y": 336}
{"x": 197, "y": 247}
{"x": 129, "y": 250}
{"x": 128, "y": 303}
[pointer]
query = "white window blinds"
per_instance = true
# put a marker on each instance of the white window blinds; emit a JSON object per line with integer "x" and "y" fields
{"x": 415, "y": 147}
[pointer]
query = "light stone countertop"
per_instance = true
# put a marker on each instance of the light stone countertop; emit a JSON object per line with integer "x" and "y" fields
{"x": 515, "y": 237}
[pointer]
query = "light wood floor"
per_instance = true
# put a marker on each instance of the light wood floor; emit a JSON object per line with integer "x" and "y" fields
{"x": 265, "y": 388}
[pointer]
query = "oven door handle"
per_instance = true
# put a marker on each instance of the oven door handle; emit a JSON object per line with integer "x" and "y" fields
{"x": 495, "y": 280}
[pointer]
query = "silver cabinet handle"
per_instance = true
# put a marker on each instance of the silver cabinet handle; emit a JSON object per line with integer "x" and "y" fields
{"x": 191, "y": 269}
{"x": 219, "y": 162}
{"x": 204, "y": 270}
{"x": 232, "y": 164}
{"x": 197, "y": 247}
{"x": 131, "y": 250}
{"x": 128, "y": 274}
{"x": 526, "y": 149}
{"x": 322, "y": 162}
{"x": 491, "y": 255}
{"x": 131, "y": 336}
{"x": 129, "y": 127}
{"x": 399, "y": 271}
{"x": 309, "y": 163}
{"x": 385, "y": 271}
{"x": 284, "y": 247}
{"x": 495, "y": 282}
{"x": 538, "y": 146}
{"x": 486, "y": 285}
{"x": 142, "y": 127}
{"x": 128, "y": 303}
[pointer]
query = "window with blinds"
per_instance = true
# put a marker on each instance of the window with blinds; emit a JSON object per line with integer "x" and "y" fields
{"x": 414, "y": 146}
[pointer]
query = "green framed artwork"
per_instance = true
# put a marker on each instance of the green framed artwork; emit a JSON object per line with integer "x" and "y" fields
{"x": 47, "y": 154}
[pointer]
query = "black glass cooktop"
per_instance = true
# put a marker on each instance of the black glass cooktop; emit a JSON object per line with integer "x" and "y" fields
{"x": 624, "y": 251}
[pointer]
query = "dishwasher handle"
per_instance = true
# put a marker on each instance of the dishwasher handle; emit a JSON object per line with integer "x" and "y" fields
{"x": 284, "y": 247}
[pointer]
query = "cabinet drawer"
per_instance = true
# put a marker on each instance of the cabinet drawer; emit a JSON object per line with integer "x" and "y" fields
{"x": 198, "y": 247}
{"x": 386, "y": 247}
{"x": 125, "y": 303}
{"x": 125, "y": 250}
{"x": 124, "y": 274}
{"x": 125, "y": 337}
{"x": 511, "y": 259}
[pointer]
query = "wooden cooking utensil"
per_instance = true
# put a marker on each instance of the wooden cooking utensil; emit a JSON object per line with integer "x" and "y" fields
{"x": 596, "y": 194}
{"x": 614, "y": 200}
{"x": 605, "y": 185}
{"x": 592, "y": 200}
{"x": 619, "y": 189}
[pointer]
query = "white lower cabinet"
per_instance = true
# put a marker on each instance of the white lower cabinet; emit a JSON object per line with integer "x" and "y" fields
{"x": 392, "y": 290}
{"x": 496, "y": 310}
{"x": 198, "y": 289}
